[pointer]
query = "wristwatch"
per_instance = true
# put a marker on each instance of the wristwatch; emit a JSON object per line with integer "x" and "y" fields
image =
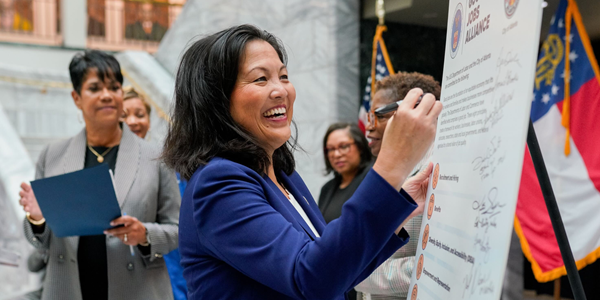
{"x": 147, "y": 239}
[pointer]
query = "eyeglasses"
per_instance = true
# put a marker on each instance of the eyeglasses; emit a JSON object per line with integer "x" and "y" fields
{"x": 343, "y": 149}
{"x": 374, "y": 118}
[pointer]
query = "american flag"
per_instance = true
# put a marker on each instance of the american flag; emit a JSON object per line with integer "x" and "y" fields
{"x": 381, "y": 67}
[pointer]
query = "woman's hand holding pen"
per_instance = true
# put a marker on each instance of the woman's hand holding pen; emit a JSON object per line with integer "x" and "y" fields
{"x": 132, "y": 233}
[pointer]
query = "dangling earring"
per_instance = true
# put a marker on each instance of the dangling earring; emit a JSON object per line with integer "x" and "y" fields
{"x": 80, "y": 117}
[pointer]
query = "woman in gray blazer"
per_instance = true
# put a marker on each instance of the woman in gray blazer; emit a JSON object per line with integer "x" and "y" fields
{"x": 102, "y": 267}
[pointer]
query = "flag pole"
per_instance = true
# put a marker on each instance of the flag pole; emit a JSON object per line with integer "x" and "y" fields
{"x": 554, "y": 213}
{"x": 380, "y": 11}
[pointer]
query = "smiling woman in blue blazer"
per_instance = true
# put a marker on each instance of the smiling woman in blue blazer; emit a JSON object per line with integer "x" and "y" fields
{"x": 249, "y": 228}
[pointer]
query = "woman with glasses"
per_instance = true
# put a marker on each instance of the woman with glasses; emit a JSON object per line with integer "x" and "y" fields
{"x": 347, "y": 154}
{"x": 392, "y": 278}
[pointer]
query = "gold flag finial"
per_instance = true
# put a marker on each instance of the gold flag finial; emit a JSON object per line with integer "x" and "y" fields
{"x": 380, "y": 11}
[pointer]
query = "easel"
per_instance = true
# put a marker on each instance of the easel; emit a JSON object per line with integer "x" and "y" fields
{"x": 554, "y": 212}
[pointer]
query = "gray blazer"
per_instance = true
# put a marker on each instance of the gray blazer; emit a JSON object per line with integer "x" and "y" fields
{"x": 147, "y": 190}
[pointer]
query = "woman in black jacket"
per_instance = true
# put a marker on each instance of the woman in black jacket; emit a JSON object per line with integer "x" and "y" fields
{"x": 347, "y": 155}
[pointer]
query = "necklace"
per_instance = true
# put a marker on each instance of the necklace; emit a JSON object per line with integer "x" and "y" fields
{"x": 100, "y": 156}
{"x": 287, "y": 194}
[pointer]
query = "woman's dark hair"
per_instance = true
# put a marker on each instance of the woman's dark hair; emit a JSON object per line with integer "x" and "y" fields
{"x": 202, "y": 126}
{"x": 105, "y": 64}
{"x": 359, "y": 140}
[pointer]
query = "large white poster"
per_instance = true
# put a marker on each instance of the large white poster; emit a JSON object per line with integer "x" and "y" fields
{"x": 478, "y": 152}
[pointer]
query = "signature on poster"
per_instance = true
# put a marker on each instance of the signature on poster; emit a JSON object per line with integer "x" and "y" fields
{"x": 496, "y": 113}
{"x": 487, "y": 210}
{"x": 505, "y": 73}
{"x": 478, "y": 281}
{"x": 487, "y": 164}
{"x": 482, "y": 244}
{"x": 508, "y": 67}
{"x": 489, "y": 205}
{"x": 508, "y": 59}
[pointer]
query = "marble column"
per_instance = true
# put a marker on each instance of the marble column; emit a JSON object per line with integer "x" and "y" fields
{"x": 74, "y": 23}
{"x": 44, "y": 18}
{"x": 114, "y": 12}
{"x": 15, "y": 167}
{"x": 322, "y": 40}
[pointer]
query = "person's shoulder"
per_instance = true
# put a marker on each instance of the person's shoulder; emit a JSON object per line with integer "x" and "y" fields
{"x": 219, "y": 164}
{"x": 329, "y": 184}
{"x": 58, "y": 147}
{"x": 326, "y": 189}
{"x": 133, "y": 25}
{"x": 59, "y": 144}
{"x": 149, "y": 150}
{"x": 221, "y": 173}
{"x": 363, "y": 173}
{"x": 219, "y": 168}
{"x": 52, "y": 154}
{"x": 148, "y": 146}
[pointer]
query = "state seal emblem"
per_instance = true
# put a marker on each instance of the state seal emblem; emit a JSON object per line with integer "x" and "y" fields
{"x": 510, "y": 6}
{"x": 457, "y": 22}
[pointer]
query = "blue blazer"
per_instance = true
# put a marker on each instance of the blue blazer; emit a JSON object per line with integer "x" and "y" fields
{"x": 241, "y": 238}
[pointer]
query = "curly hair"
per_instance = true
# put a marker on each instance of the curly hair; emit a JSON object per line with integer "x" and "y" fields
{"x": 400, "y": 83}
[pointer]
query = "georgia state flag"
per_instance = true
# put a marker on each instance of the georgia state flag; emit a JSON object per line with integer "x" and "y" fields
{"x": 565, "y": 107}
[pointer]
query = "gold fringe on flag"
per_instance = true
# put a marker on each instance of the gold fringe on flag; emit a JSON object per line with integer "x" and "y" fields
{"x": 566, "y": 113}
{"x": 379, "y": 39}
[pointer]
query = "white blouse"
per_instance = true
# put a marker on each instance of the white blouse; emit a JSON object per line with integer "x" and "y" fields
{"x": 302, "y": 213}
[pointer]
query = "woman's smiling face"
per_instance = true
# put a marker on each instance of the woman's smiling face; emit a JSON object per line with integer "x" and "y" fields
{"x": 262, "y": 100}
{"x": 342, "y": 152}
{"x": 136, "y": 116}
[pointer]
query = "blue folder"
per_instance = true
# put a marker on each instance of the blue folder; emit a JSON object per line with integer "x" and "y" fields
{"x": 78, "y": 203}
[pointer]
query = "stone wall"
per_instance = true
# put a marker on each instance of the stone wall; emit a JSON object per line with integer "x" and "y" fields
{"x": 15, "y": 167}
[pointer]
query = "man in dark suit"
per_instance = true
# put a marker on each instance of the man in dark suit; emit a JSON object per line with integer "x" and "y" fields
{"x": 146, "y": 28}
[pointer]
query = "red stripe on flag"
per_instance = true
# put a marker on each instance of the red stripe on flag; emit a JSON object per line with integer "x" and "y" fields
{"x": 535, "y": 221}
{"x": 585, "y": 130}
{"x": 361, "y": 125}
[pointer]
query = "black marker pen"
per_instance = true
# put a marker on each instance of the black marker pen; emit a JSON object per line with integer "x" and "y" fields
{"x": 394, "y": 106}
